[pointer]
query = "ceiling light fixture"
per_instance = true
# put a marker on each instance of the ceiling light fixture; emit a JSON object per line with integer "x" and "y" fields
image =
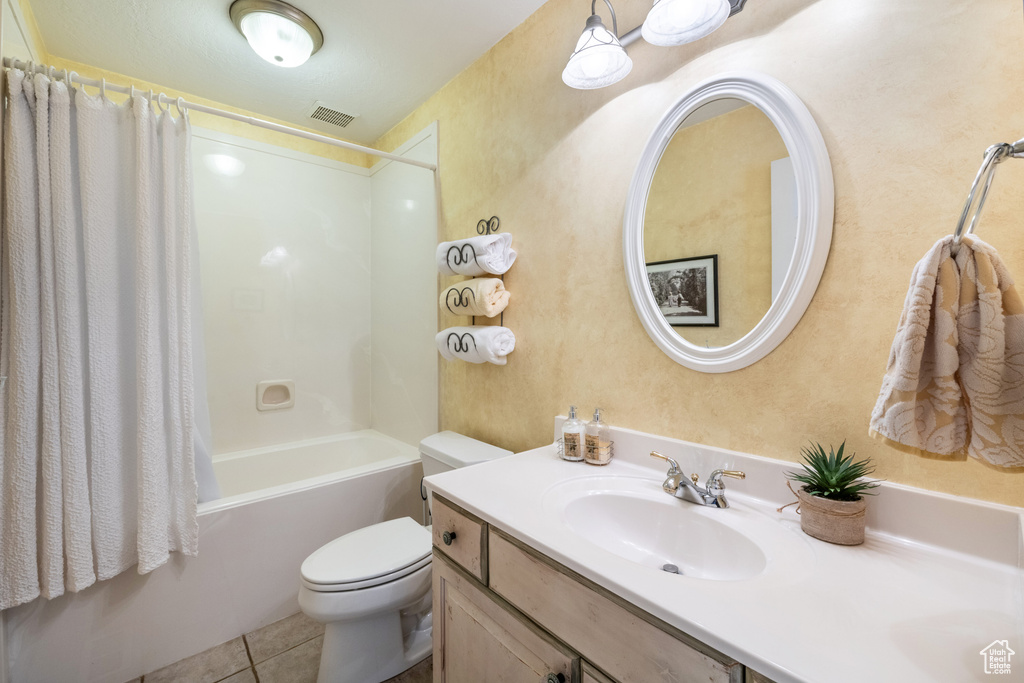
{"x": 279, "y": 33}
{"x": 600, "y": 57}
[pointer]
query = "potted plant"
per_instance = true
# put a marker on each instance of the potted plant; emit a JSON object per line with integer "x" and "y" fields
{"x": 832, "y": 502}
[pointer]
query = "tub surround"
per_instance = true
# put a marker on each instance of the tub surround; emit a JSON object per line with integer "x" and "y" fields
{"x": 937, "y": 580}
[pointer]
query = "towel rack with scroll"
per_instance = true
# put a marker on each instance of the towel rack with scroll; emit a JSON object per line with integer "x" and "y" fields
{"x": 994, "y": 155}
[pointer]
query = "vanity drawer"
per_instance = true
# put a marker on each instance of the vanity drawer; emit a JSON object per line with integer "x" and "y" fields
{"x": 594, "y": 622}
{"x": 592, "y": 675}
{"x": 461, "y": 536}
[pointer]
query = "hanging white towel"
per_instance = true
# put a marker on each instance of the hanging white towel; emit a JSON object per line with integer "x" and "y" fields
{"x": 480, "y": 255}
{"x": 486, "y": 297}
{"x": 476, "y": 344}
{"x": 96, "y": 289}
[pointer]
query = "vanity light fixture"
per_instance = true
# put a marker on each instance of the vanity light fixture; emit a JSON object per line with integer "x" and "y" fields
{"x": 676, "y": 22}
{"x": 279, "y": 33}
{"x": 600, "y": 57}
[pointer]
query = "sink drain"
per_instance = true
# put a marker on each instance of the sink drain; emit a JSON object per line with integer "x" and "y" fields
{"x": 671, "y": 569}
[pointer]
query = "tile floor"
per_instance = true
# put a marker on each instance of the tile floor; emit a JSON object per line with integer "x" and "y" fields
{"x": 287, "y": 651}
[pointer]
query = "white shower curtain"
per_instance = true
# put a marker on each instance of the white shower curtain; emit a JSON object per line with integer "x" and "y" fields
{"x": 98, "y": 411}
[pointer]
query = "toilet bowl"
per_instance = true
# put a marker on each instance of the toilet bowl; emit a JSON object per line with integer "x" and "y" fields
{"x": 371, "y": 588}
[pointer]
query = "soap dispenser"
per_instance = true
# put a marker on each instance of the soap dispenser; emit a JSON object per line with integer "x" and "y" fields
{"x": 573, "y": 431}
{"x": 598, "y": 448}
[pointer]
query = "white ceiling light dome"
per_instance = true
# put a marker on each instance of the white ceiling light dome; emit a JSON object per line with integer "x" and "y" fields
{"x": 675, "y": 22}
{"x": 279, "y": 33}
{"x": 599, "y": 58}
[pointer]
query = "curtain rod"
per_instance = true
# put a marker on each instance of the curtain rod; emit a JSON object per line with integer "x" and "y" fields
{"x": 251, "y": 120}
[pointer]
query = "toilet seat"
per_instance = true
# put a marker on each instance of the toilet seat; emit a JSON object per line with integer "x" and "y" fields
{"x": 371, "y": 556}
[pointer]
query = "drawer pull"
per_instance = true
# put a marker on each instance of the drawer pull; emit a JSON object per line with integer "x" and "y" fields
{"x": 555, "y": 678}
{"x": 448, "y": 537}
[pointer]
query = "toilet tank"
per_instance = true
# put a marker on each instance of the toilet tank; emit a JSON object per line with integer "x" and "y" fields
{"x": 448, "y": 450}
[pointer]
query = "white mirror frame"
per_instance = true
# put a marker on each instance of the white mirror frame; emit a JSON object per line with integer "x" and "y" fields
{"x": 815, "y": 206}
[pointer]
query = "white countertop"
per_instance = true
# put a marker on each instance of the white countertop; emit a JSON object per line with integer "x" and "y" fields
{"x": 918, "y": 601}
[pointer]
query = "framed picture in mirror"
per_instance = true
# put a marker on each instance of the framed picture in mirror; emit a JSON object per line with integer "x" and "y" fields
{"x": 686, "y": 290}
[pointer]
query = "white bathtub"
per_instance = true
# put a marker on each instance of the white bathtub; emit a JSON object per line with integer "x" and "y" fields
{"x": 276, "y": 470}
{"x": 280, "y": 504}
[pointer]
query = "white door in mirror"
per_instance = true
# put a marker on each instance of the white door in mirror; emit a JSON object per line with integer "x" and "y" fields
{"x": 813, "y": 231}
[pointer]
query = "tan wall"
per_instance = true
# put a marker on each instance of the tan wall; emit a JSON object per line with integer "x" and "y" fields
{"x": 712, "y": 194}
{"x": 907, "y": 94}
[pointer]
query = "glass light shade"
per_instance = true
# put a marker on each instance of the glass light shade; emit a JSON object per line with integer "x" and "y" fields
{"x": 675, "y": 22}
{"x": 599, "y": 59}
{"x": 276, "y": 39}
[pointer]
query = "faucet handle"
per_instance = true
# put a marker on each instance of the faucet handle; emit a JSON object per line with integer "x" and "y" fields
{"x": 671, "y": 483}
{"x": 674, "y": 470}
{"x": 715, "y": 480}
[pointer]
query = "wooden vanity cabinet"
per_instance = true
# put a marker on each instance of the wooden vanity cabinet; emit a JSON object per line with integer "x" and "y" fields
{"x": 505, "y": 612}
{"x": 476, "y": 638}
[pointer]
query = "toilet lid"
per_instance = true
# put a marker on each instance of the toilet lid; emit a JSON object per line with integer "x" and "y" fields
{"x": 369, "y": 556}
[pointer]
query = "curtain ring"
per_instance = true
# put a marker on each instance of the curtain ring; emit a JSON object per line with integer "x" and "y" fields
{"x": 103, "y": 88}
{"x": 180, "y": 104}
{"x": 131, "y": 91}
{"x": 160, "y": 103}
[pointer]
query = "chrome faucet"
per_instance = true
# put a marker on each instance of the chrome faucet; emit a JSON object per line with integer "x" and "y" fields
{"x": 712, "y": 493}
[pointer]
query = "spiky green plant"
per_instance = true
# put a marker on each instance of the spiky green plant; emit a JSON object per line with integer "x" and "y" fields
{"x": 830, "y": 475}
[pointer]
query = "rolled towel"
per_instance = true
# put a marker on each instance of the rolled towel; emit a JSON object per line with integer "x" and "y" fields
{"x": 476, "y": 344}
{"x": 477, "y": 255}
{"x": 482, "y": 296}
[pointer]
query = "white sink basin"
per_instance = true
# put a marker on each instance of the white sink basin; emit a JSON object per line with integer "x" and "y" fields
{"x": 636, "y": 520}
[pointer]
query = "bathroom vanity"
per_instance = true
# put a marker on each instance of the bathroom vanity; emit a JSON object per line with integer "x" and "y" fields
{"x": 551, "y": 571}
{"x": 514, "y": 609}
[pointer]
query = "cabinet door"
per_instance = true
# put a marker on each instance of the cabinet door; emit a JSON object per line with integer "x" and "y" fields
{"x": 477, "y": 639}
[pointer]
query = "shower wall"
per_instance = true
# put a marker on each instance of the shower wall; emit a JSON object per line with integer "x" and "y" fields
{"x": 319, "y": 273}
{"x": 403, "y": 318}
{"x": 284, "y": 241}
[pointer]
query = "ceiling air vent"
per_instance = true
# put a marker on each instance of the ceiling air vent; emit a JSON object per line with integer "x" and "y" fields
{"x": 323, "y": 112}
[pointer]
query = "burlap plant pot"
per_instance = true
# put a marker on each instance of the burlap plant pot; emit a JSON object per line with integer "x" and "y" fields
{"x": 834, "y": 521}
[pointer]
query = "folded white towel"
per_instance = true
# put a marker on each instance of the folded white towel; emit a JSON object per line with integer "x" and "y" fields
{"x": 476, "y": 344}
{"x": 480, "y": 296}
{"x": 477, "y": 255}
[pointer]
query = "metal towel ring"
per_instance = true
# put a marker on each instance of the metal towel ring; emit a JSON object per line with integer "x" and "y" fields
{"x": 993, "y": 155}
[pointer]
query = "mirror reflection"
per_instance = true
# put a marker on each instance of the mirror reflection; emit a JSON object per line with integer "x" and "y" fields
{"x": 720, "y": 223}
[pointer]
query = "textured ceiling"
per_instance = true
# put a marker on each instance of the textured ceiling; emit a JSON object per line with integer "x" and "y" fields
{"x": 380, "y": 59}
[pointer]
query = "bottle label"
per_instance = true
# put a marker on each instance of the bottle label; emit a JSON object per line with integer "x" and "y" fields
{"x": 571, "y": 442}
{"x": 598, "y": 452}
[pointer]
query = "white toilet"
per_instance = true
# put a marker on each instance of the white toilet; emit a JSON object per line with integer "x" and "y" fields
{"x": 372, "y": 587}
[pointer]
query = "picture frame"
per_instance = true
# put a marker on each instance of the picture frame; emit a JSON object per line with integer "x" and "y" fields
{"x": 686, "y": 290}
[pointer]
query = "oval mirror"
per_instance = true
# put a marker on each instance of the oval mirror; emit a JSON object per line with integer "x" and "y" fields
{"x": 728, "y": 222}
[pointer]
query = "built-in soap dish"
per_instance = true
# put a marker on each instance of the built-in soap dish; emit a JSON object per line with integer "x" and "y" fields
{"x": 275, "y": 394}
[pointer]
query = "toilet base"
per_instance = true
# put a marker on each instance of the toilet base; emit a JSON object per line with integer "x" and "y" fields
{"x": 372, "y": 650}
